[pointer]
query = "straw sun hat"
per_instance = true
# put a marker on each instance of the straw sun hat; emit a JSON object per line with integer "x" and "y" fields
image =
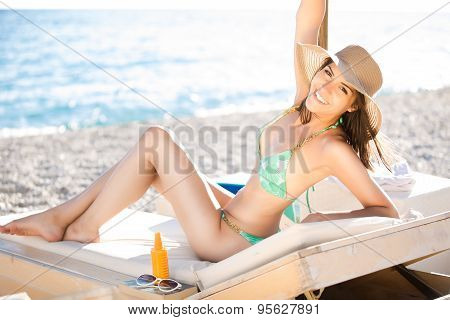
{"x": 357, "y": 67}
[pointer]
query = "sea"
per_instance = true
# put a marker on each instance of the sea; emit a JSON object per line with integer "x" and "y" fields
{"x": 69, "y": 69}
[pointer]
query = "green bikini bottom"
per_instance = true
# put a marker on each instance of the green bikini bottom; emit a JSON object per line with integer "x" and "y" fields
{"x": 247, "y": 236}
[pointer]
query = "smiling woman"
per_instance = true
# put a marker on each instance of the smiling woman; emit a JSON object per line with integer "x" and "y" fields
{"x": 338, "y": 97}
{"x": 333, "y": 124}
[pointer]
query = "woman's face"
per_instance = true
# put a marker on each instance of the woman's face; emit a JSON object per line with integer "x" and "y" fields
{"x": 329, "y": 94}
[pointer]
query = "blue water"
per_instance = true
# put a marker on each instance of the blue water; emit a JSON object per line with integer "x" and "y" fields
{"x": 187, "y": 62}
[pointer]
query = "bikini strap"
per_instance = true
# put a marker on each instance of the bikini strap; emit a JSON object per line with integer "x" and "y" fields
{"x": 261, "y": 129}
{"x": 315, "y": 134}
{"x": 278, "y": 117}
{"x": 307, "y": 197}
{"x": 292, "y": 109}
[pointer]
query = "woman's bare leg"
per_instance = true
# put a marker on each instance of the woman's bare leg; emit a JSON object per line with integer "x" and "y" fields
{"x": 52, "y": 223}
{"x": 173, "y": 174}
{"x": 186, "y": 190}
{"x": 127, "y": 183}
{"x": 68, "y": 211}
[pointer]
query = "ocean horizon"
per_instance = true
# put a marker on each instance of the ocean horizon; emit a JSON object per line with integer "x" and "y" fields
{"x": 70, "y": 69}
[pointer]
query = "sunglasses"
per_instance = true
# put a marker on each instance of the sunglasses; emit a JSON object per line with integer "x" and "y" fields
{"x": 150, "y": 281}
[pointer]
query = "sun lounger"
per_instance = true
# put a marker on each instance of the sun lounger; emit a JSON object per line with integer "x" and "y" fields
{"x": 302, "y": 258}
{"x": 282, "y": 266}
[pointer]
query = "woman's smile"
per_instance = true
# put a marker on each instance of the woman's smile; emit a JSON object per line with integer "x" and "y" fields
{"x": 319, "y": 97}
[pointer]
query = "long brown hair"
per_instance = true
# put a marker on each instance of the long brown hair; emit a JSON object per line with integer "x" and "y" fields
{"x": 358, "y": 131}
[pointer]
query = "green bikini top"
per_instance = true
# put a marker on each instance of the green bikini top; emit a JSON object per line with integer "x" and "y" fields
{"x": 272, "y": 168}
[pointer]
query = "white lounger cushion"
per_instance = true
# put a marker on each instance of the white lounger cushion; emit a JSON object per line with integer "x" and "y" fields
{"x": 126, "y": 247}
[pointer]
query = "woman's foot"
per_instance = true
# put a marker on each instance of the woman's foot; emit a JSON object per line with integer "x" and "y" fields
{"x": 81, "y": 232}
{"x": 43, "y": 224}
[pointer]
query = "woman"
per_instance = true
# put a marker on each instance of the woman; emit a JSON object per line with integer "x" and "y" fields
{"x": 327, "y": 132}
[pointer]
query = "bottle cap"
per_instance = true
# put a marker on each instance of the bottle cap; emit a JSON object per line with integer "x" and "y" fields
{"x": 158, "y": 242}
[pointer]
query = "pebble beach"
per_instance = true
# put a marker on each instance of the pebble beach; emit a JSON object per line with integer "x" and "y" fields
{"x": 42, "y": 171}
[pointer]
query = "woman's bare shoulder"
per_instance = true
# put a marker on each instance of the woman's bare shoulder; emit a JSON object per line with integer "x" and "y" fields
{"x": 335, "y": 137}
{"x": 317, "y": 153}
{"x": 335, "y": 145}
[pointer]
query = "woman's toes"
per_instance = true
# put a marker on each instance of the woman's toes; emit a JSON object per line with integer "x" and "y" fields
{"x": 35, "y": 226}
{"x": 12, "y": 227}
{"x": 4, "y": 229}
{"x": 15, "y": 229}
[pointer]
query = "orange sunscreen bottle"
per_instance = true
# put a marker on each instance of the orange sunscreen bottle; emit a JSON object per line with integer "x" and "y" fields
{"x": 160, "y": 262}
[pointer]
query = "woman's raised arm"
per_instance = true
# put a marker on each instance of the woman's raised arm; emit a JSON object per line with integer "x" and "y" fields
{"x": 309, "y": 17}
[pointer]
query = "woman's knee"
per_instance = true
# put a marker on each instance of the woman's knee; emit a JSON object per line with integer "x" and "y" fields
{"x": 157, "y": 132}
{"x": 155, "y": 137}
{"x": 162, "y": 150}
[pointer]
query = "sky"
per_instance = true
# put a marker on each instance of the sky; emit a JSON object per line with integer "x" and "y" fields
{"x": 339, "y": 5}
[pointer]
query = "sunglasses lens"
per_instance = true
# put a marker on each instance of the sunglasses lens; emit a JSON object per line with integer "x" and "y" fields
{"x": 168, "y": 285}
{"x": 145, "y": 279}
